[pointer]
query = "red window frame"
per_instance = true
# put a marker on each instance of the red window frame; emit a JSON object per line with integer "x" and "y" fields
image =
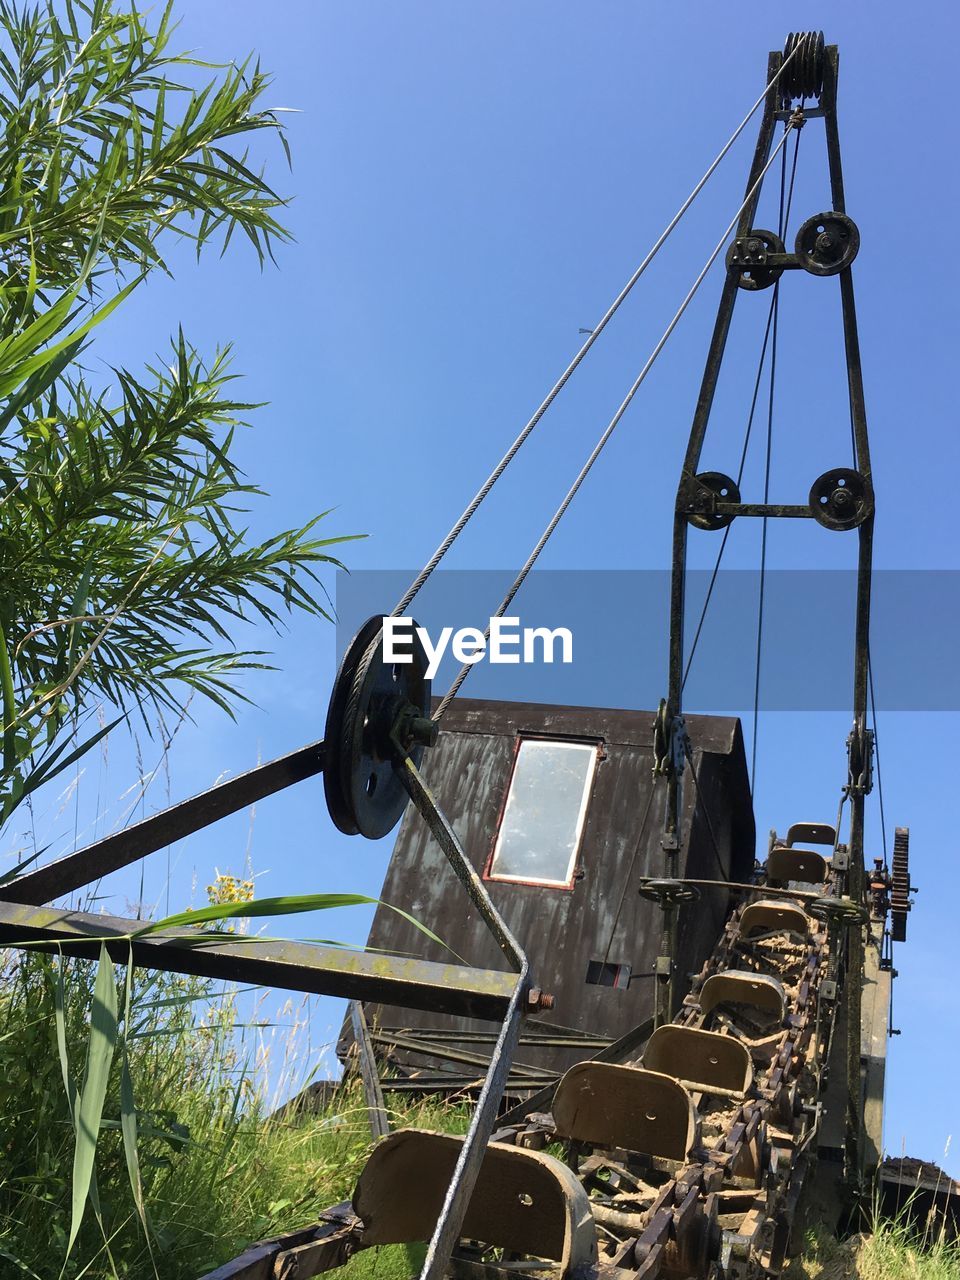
{"x": 560, "y": 740}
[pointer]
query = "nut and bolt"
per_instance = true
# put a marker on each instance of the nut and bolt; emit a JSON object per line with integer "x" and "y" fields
{"x": 842, "y": 498}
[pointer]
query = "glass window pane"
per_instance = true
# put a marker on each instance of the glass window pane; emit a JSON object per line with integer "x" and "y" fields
{"x": 543, "y": 817}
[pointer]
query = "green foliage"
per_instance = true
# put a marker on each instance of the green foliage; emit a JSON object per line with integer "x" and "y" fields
{"x": 107, "y": 1032}
{"x": 897, "y": 1249}
{"x": 124, "y": 552}
{"x": 217, "y": 1171}
{"x": 106, "y": 138}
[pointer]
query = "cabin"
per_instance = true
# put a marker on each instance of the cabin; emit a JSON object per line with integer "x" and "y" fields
{"x": 557, "y": 809}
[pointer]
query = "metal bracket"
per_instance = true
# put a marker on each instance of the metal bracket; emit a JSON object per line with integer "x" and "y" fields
{"x": 860, "y": 742}
{"x": 467, "y": 1169}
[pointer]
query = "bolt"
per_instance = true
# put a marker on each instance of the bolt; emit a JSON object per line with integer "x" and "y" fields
{"x": 539, "y": 1001}
{"x": 842, "y": 498}
{"x": 424, "y": 731}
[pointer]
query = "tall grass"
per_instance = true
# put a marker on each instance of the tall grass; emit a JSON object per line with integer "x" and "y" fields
{"x": 892, "y": 1249}
{"x": 219, "y": 1171}
{"x": 220, "y": 1166}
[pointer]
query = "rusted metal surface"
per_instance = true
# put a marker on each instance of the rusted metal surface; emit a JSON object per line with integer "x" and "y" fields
{"x": 363, "y": 1044}
{"x": 672, "y": 1179}
{"x": 292, "y": 966}
{"x": 326, "y": 1244}
{"x": 524, "y": 1201}
{"x": 608, "y": 1106}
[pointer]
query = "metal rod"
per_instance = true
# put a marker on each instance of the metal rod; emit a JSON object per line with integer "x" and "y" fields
{"x": 457, "y": 1198}
{"x": 465, "y": 1173}
{"x": 448, "y": 1053}
{"x": 861, "y": 447}
{"x": 120, "y": 849}
{"x": 369, "y": 1076}
{"x": 448, "y": 1082}
{"x": 446, "y": 837}
{"x": 708, "y": 387}
{"x": 487, "y": 994}
{"x": 798, "y": 511}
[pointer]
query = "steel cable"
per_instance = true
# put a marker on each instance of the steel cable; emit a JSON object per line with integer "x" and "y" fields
{"x": 415, "y": 587}
{"x": 615, "y": 420}
{"x": 782, "y": 228}
{"x": 876, "y": 749}
{"x": 784, "y": 220}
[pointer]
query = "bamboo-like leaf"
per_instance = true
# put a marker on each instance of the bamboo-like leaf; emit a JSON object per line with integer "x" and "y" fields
{"x": 89, "y": 1109}
{"x": 128, "y": 1109}
{"x": 59, "y": 1016}
{"x": 9, "y": 705}
{"x": 281, "y": 906}
{"x": 46, "y": 771}
{"x": 11, "y": 378}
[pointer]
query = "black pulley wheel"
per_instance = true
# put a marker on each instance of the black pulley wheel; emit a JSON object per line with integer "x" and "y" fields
{"x": 803, "y": 75}
{"x": 668, "y": 893}
{"x": 748, "y": 255}
{"x": 840, "y": 499}
{"x": 364, "y": 795}
{"x": 827, "y": 243}
{"x": 709, "y": 483}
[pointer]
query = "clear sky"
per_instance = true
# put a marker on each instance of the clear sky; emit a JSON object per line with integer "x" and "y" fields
{"x": 472, "y": 183}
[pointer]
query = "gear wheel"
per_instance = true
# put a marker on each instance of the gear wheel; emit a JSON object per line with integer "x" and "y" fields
{"x": 900, "y": 889}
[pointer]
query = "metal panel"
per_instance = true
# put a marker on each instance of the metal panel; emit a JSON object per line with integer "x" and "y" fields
{"x": 602, "y": 917}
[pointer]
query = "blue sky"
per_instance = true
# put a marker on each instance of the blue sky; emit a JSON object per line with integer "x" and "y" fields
{"x": 471, "y": 185}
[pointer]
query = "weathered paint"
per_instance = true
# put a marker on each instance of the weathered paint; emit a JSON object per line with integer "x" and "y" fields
{"x": 603, "y": 916}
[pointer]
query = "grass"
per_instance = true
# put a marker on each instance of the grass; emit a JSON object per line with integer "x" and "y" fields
{"x": 220, "y": 1167}
{"x": 218, "y": 1171}
{"x": 891, "y": 1250}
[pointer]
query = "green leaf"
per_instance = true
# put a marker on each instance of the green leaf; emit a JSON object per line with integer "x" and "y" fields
{"x": 11, "y": 377}
{"x": 9, "y": 706}
{"x": 128, "y": 1109}
{"x": 281, "y": 906}
{"x": 89, "y": 1112}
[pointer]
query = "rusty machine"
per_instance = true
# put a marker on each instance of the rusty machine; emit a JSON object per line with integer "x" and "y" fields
{"x": 667, "y": 1042}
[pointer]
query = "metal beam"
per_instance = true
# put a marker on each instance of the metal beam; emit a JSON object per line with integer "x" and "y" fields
{"x": 377, "y": 1112}
{"x": 119, "y": 850}
{"x": 447, "y": 1052}
{"x": 293, "y": 966}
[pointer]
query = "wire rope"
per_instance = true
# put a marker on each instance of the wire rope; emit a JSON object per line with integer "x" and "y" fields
{"x": 782, "y": 229}
{"x": 746, "y": 439}
{"x": 415, "y": 587}
{"x": 615, "y": 420}
{"x": 876, "y": 748}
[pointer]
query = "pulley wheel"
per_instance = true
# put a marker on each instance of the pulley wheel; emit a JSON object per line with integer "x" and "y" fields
{"x": 668, "y": 893}
{"x": 803, "y": 78}
{"x": 840, "y": 499}
{"x": 364, "y": 795}
{"x": 722, "y": 487}
{"x": 827, "y": 243}
{"x": 748, "y": 255}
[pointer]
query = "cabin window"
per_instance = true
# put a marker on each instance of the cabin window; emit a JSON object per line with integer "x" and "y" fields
{"x": 542, "y": 820}
{"x": 603, "y": 973}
